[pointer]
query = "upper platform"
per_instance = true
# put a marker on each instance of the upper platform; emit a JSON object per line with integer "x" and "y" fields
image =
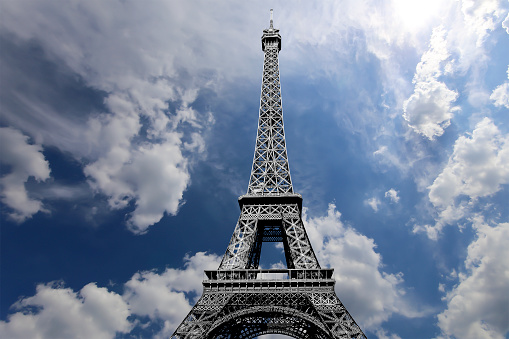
{"x": 271, "y": 35}
{"x": 270, "y": 280}
{"x": 271, "y": 199}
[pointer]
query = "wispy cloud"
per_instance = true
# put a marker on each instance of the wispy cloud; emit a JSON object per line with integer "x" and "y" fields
{"x": 373, "y": 202}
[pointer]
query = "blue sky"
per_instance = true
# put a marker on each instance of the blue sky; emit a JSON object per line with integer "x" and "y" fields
{"x": 127, "y": 132}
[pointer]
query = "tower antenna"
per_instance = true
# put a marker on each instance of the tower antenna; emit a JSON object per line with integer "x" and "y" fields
{"x": 271, "y": 21}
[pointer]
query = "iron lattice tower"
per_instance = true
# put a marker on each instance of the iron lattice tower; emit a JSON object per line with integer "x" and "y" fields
{"x": 240, "y": 300}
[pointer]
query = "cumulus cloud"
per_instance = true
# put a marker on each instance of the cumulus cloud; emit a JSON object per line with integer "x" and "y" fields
{"x": 500, "y": 95}
{"x": 429, "y": 109}
{"x": 137, "y": 152}
{"x": 478, "y": 306}
{"x": 392, "y": 195}
{"x": 370, "y": 294}
{"x": 153, "y": 175}
{"x": 23, "y": 161}
{"x": 477, "y": 168}
{"x": 56, "y": 312}
{"x": 154, "y": 172}
{"x": 163, "y": 296}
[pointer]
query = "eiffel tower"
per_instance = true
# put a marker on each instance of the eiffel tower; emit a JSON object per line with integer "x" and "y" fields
{"x": 241, "y": 300}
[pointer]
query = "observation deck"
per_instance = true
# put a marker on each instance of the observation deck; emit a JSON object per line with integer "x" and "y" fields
{"x": 271, "y": 198}
{"x": 271, "y": 36}
{"x": 252, "y": 280}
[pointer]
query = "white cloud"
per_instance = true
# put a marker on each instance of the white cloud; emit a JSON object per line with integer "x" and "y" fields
{"x": 382, "y": 334}
{"x": 369, "y": 294}
{"x": 392, "y": 194}
{"x": 441, "y": 287}
{"x": 505, "y": 24}
{"x": 477, "y": 168}
{"x": 24, "y": 161}
{"x": 373, "y": 203}
{"x": 481, "y": 17}
{"x": 139, "y": 152}
{"x": 162, "y": 296}
{"x": 429, "y": 109}
{"x": 478, "y": 307}
{"x": 55, "y": 312}
{"x": 430, "y": 230}
{"x": 460, "y": 55}
{"x": 468, "y": 32}
{"x": 500, "y": 95}
{"x": 154, "y": 175}
{"x": 115, "y": 49}
{"x": 394, "y": 156}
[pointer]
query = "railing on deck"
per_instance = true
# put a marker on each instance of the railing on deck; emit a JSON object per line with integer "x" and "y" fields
{"x": 270, "y": 274}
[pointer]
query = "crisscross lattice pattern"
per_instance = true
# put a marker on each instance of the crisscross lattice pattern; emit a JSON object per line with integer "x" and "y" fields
{"x": 245, "y": 245}
{"x": 311, "y": 313}
{"x": 271, "y": 172}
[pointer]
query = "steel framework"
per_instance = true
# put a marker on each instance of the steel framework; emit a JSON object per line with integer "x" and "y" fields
{"x": 240, "y": 300}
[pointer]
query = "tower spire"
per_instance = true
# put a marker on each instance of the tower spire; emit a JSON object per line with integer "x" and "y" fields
{"x": 270, "y": 173}
{"x": 271, "y": 21}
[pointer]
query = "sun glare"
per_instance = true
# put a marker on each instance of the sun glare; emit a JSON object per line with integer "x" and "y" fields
{"x": 415, "y": 14}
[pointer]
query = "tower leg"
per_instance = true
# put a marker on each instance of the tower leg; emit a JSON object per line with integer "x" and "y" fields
{"x": 241, "y": 245}
{"x": 202, "y": 315}
{"x": 299, "y": 247}
{"x": 335, "y": 316}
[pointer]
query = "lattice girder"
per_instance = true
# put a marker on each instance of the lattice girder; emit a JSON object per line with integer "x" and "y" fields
{"x": 243, "y": 304}
{"x": 244, "y": 248}
{"x": 241, "y": 244}
{"x": 256, "y": 321}
{"x": 270, "y": 173}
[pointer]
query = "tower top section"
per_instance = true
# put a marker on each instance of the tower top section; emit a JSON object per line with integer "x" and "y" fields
{"x": 270, "y": 175}
{"x": 271, "y": 35}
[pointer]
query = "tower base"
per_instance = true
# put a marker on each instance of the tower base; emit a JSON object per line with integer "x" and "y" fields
{"x": 247, "y": 303}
